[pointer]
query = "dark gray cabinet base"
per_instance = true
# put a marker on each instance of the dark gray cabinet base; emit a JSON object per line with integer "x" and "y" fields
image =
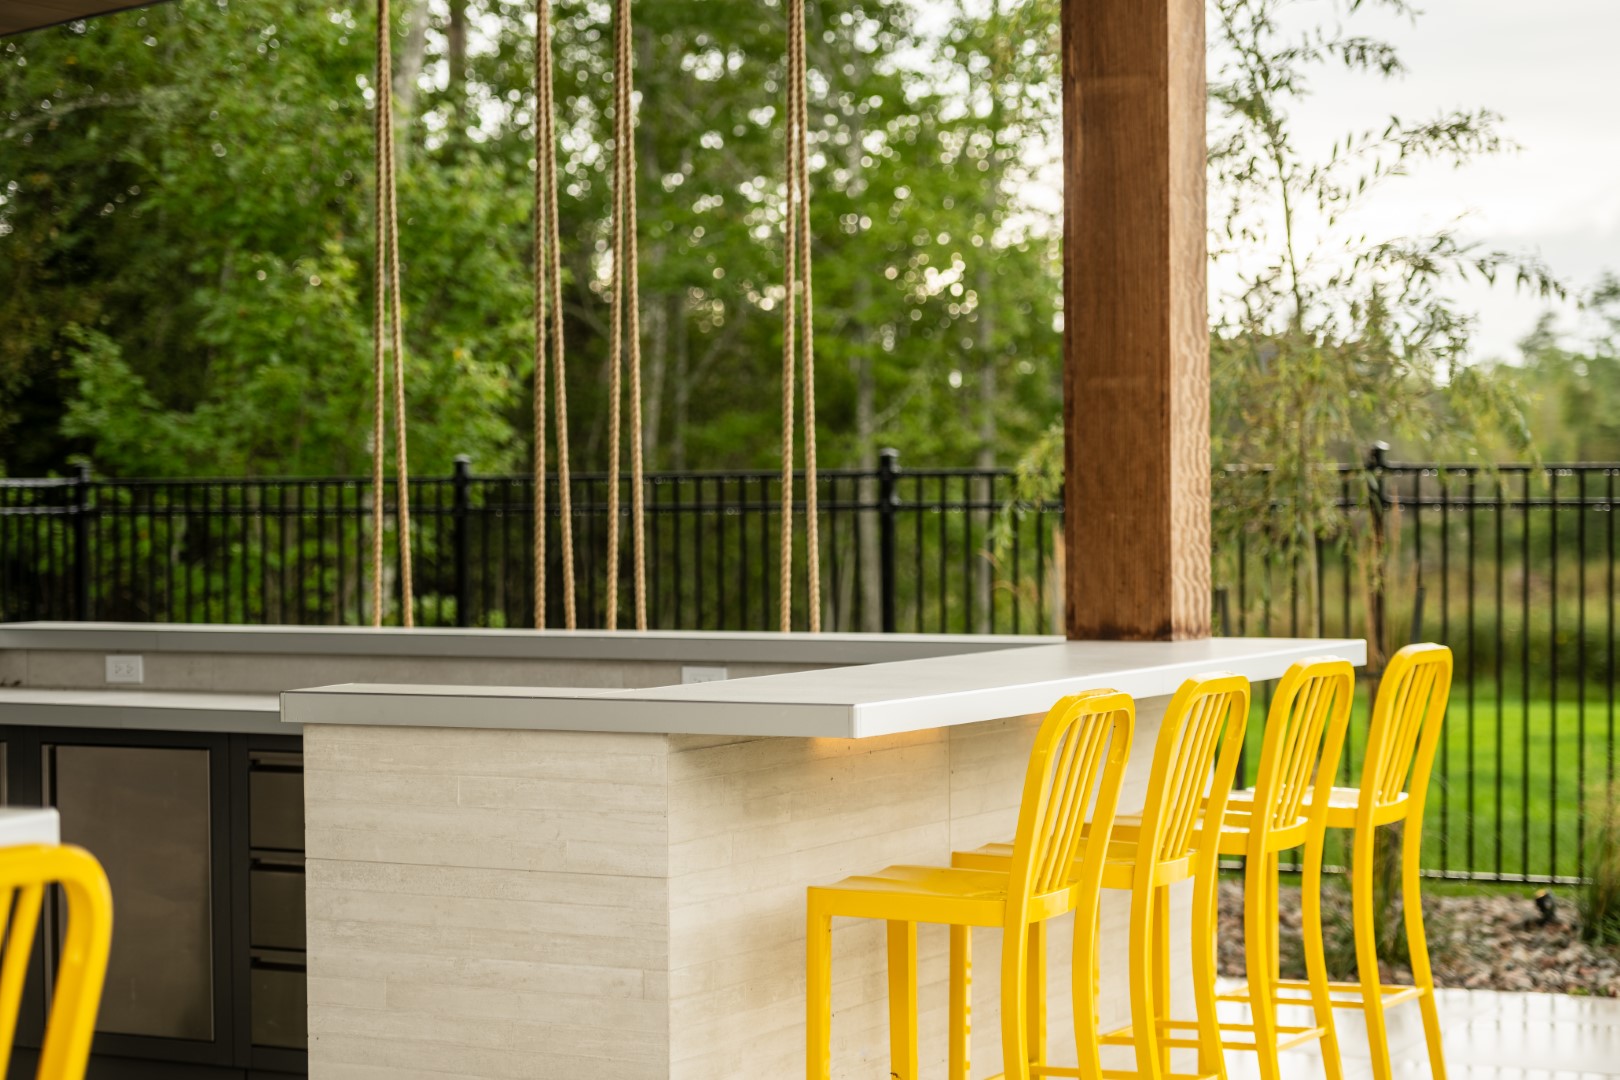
{"x": 202, "y": 838}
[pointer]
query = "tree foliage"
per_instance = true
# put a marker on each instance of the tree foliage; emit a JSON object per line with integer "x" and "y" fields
{"x": 1573, "y": 387}
{"x": 186, "y": 234}
{"x": 1335, "y": 337}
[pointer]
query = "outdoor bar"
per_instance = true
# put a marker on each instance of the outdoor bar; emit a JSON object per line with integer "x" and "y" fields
{"x": 580, "y": 881}
{"x": 542, "y": 854}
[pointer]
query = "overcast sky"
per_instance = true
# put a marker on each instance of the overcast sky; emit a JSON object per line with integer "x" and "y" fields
{"x": 1549, "y": 67}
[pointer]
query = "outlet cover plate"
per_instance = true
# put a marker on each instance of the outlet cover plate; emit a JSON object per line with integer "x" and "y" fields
{"x": 696, "y": 673}
{"x": 125, "y": 669}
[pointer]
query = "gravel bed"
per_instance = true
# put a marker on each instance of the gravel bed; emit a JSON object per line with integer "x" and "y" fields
{"x": 1479, "y": 942}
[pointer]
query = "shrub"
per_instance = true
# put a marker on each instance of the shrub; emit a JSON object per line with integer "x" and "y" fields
{"x": 1599, "y": 898}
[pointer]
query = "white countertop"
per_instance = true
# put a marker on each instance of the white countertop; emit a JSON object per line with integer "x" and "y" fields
{"x": 142, "y": 710}
{"x": 846, "y": 702}
{"x": 679, "y": 646}
{"x": 29, "y": 825}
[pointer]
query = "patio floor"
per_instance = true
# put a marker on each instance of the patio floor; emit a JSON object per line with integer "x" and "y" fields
{"x": 1489, "y": 1035}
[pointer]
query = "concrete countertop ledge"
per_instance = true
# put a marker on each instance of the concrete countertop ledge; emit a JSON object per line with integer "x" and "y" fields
{"x": 691, "y": 646}
{"x": 142, "y": 710}
{"x": 846, "y": 702}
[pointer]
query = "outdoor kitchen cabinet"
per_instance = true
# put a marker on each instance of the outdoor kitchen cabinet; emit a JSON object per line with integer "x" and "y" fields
{"x": 201, "y": 834}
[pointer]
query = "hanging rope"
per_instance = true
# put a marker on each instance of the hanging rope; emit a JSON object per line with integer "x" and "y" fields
{"x": 548, "y": 291}
{"x": 798, "y": 341}
{"x": 383, "y": 335}
{"x": 626, "y": 332}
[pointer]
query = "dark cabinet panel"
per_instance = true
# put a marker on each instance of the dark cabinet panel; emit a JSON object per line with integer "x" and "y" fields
{"x": 280, "y": 1006}
{"x": 276, "y": 802}
{"x": 276, "y": 907}
{"x": 146, "y": 812}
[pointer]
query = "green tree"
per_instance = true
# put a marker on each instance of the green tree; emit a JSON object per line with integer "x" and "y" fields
{"x": 1333, "y": 338}
{"x": 1574, "y": 389}
{"x": 185, "y": 237}
{"x": 189, "y": 213}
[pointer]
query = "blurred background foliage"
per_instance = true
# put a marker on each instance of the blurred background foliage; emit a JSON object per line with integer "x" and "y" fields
{"x": 185, "y": 232}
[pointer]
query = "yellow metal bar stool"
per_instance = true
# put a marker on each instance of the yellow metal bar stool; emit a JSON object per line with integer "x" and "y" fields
{"x": 1077, "y": 763}
{"x": 1200, "y": 736}
{"x": 1284, "y": 811}
{"x": 81, "y": 963}
{"x": 1401, "y": 741}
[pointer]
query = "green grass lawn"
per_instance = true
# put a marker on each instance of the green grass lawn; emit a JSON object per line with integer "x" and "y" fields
{"x": 1507, "y": 794}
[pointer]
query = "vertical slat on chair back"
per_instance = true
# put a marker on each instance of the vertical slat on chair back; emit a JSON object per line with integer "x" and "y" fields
{"x": 1303, "y": 737}
{"x": 19, "y": 917}
{"x": 1405, "y": 729}
{"x": 1184, "y": 759}
{"x": 1077, "y": 764}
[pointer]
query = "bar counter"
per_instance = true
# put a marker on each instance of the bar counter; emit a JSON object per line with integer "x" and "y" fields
{"x": 608, "y": 880}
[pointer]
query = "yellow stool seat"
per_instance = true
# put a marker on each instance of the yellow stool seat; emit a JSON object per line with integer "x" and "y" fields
{"x": 933, "y": 894}
{"x": 1117, "y": 869}
{"x": 1236, "y": 825}
{"x": 1343, "y": 802}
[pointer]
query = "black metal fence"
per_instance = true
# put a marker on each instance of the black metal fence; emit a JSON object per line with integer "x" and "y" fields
{"x": 1512, "y": 565}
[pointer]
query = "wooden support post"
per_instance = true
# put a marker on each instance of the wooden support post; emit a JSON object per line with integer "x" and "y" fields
{"x": 1136, "y": 326}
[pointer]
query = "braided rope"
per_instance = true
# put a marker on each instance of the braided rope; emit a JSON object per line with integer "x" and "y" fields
{"x": 616, "y": 334}
{"x": 812, "y": 518}
{"x": 542, "y": 48}
{"x": 548, "y": 288}
{"x": 402, "y": 479}
{"x": 379, "y": 324}
{"x": 632, "y": 285}
{"x": 388, "y": 290}
{"x": 798, "y": 341}
{"x": 790, "y": 270}
{"x": 626, "y": 332}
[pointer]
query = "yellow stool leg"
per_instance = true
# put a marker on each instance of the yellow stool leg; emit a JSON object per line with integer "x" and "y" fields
{"x": 1015, "y": 1006}
{"x": 903, "y": 1000}
{"x": 818, "y": 995}
{"x": 1083, "y": 978}
{"x": 1417, "y": 943}
{"x": 1161, "y": 967}
{"x": 1316, "y": 960}
{"x": 1205, "y": 920}
{"x": 1035, "y": 994}
{"x": 961, "y": 1034}
{"x": 1144, "y": 1020}
{"x": 1363, "y": 914}
{"x": 1259, "y": 914}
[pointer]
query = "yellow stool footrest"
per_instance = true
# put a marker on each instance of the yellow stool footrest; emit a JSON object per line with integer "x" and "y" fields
{"x": 1392, "y": 993}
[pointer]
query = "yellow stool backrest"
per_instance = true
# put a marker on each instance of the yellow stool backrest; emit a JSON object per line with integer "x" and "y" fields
{"x": 81, "y": 965}
{"x": 1078, "y": 763}
{"x": 1304, "y": 736}
{"x": 1202, "y": 730}
{"x": 1405, "y": 728}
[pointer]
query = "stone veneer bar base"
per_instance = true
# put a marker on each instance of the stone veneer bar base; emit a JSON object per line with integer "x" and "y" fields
{"x": 554, "y": 904}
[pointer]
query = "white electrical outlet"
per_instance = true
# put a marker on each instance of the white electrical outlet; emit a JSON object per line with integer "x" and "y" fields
{"x": 125, "y": 669}
{"x": 695, "y": 673}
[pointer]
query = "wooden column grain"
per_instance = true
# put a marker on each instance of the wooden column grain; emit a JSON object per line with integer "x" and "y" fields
{"x": 1136, "y": 334}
